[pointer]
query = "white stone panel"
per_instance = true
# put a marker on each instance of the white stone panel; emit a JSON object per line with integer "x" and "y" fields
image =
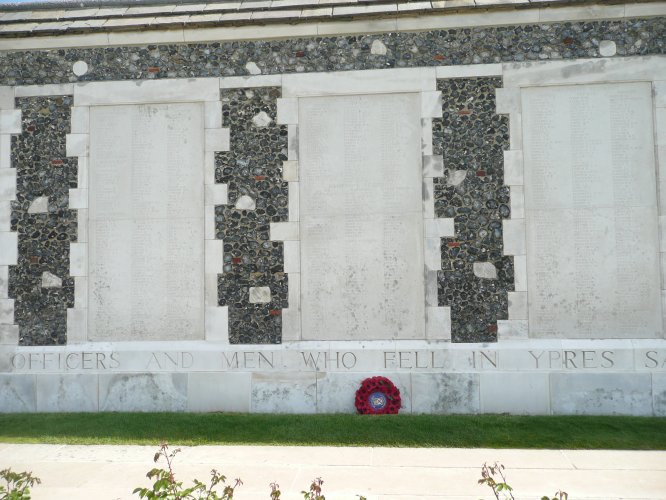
{"x": 290, "y": 171}
{"x": 10, "y": 121}
{"x": 659, "y": 94}
{"x": 431, "y": 104}
{"x": 209, "y": 222}
{"x": 513, "y": 168}
{"x": 284, "y": 231}
{"x": 66, "y": 393}
{"x": 513, "y": 234}
{"x": 146, "y": 222}
{"x": 284, "y": 392}
{"x": 445, "y": 393}
{"x": 212, "y": 114}
{"x": 17, "y": 393}
{"x": 426, "y": 136}
{"x": 292, "y": 142}
{"x": 361, "y": 219}
{"x": 336, "y": 392}
{"x": 432, "y": 254}
{"x": 287, "y": 111}
{"x": 6, "y": 97}
{"x": 517, "y": 305}
{"x": 516, "y": 393}
{"x": 428, "y": 198}
{"x": 217, "y": 139}
{"x": 77, "y": 325}
{"x": 78, "y": 198}
{"x": 218, "y": 392}
{"x": 80, "y": 292}
{"x": 6, "y": 311}
{"x": 5, "y": 151}
{"x": 507, "y": 100}
{"x": 7, "y": 184}
{"x": 82, "y": 172}
{"x": 291, "y": 324}
{"x": 512, "y": 329}
{"x": 82, "y": 226}
{"x": 433, "y": 166}
{"x": 471, "y": 70}
{"x": 143, "y": 392}
{"x": 294, "y": 202}
{"x": 591, "y": 212}
{"x": 141, "y": 92}
{"x": 292, "y": 257}
{"x": 520, "y": 273}
{"x": 601, "y": 393}
{"x": 80, "y": 120}
{"x": 44, "y": 90}
{"x": 8, "y": 248}
{"x": 9, "y": 334}
{"x": 78, "y": 259}
{"x": 438, "y": 323}
{"x": 236, "y": 82}
{"x": 216, "y": 194}
{"x": 517, "y": 203}
{"x": 439, "y": 228}
{"x": 217, "y": 324}
{"x": 4, "y": 281}
{"x": 76, "y": 144}
{"x": 214, "y": 254}
{"x": 5, "y": 215}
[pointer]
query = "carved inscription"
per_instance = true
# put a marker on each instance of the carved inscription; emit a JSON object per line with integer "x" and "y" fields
{"x": 591, "y": 212}
{"x": 361, "y": 221}
{"x": 146, "y": 222}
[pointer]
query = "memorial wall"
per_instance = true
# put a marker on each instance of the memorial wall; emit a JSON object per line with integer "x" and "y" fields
{"x": 250, "y": 224}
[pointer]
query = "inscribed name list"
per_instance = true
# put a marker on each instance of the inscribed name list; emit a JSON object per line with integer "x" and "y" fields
{"x": 361, "y": 220}
{"x": 146, "y": 222}
{"x": 591, "y": 212}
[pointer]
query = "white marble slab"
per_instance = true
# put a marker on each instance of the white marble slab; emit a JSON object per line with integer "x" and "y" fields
{"x": 591, "y": 212}
{"x": 361, "y": 221}
{"x": 146, "y": 222}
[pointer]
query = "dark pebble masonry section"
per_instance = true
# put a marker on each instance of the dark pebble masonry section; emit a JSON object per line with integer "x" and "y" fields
{"x": 472, "y": 138}
{"x": 42, "y": 169}
{"x": 253, "y": 168}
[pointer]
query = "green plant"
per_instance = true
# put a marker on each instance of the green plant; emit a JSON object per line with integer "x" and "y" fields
{"x": 166, "y": 486}
{"x": 315, "y": 490}
{"x": 493, "y": 476}
{"x": 18, "y": 485}
{"x": 275, "y": 491}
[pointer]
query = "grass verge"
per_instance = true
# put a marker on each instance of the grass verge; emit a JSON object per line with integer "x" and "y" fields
{"x": 464, "y": 431}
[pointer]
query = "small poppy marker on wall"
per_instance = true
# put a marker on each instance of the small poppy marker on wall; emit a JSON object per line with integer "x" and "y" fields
{"x": 378, "y": 396}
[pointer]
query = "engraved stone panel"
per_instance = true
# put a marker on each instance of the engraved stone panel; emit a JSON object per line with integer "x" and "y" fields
{"x": 361, "y": 221}
{"x": 591, "y": 211}
{"x": 146, "y": 222}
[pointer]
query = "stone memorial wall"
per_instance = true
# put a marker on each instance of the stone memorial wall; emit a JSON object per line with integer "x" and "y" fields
{"x": 475, "y": 213}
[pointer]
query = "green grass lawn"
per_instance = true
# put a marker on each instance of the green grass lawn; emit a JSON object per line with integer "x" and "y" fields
{"x": 468, "y": 431}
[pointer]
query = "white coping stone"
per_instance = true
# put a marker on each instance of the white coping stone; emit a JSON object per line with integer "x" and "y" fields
{"x": 514, "y": 236}
{"x": 616, "y": 69}
{"x": 433, "y": 166}
{"x": 284, "y": 231}
{"x": 456, "y": 177}
{"x": 292, "y": 142}
{"x": 8, "y": 248}
{"x": 50, "y": 280}
{"x": 439, "y": 228}
{"x": 361, "y": 217}
{"x": 7, "y": 184}
{"x": 77, "y": 325}
{"x": 659, "y": 394}
{"x": 143, "y": 392}
{"x": 520, "y": 273}
{"x": 146, "y": 222}
{"x": 17, "y": 393}
{"x": 80, "y": 68}
{"x": 466, "y": 71}
{"x": 5, "y": 151}
{"x": 290, "y": 171}
{"x": 6, "y": 97}
{"x": 431, "y": 104}
{"x": 426, "y": 136}
{"x": 512, "y": 329}
{"x": 644, "y": 9}
{"x": 80, "y": 119}
{"x": 235, "y": 82}
{"x": 292, "y": 257}
{"x": 287, "y": 111}
{"x": 659, "y": 89}
{"x": 378, "y": 48}
{"x": 294, "y": 202}
{"x": 39, "y": 205}
{"x": 517, "y": 202}
{"x": 78, "y": 198}
{"x": 44, "y": 90}
{"x": 517, "y": 305}
{"x": 78, "y": 259}
{"x": 279, "y": 392}
{"x": 513, "y": 168}
{"x": 252, "y": 68}
{"x": 214, "y": 255}
{"x": 4, "y": 282}
{"x": 212, "y": 114}
{"x": 80, "y": 292}
{"x": 76, "y": 144}
{"x": 6, "y": 311}
{"x": 147, "y": 91}
{"x": 445, "y": 393}
{"x": 217, "y": 324}
{"x": 359, "y": 82}
{"x": 245, "y": 202}
{"x": 5, "y": 215}
{"x": 428, "y": 205}
{"x": 607, "y": 48}
{"x": 336, "y": 392}
{"x": 219, "y": 392}
{"x": 515, "y": 393}
{"x": 601, "y": 394}
{"x": 589, "y": 11}
{"x": 259, "y": 295}
{"x": 609, "y": 222}
{"x": 438, "y": 323}
{"x": 215, "y": 194}
{"x": 66, "y": 392}
{"x": 82, "y": 225}
{"x": 10, "y": 121}
{"x": 485, "y": 270}
{"x": 261, "y": 119}
{"x": 217, "y": 139}
{"x": 507, "y": 100}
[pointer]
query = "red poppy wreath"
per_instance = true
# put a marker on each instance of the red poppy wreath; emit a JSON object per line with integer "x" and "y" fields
{"x": 377, "y": 396}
